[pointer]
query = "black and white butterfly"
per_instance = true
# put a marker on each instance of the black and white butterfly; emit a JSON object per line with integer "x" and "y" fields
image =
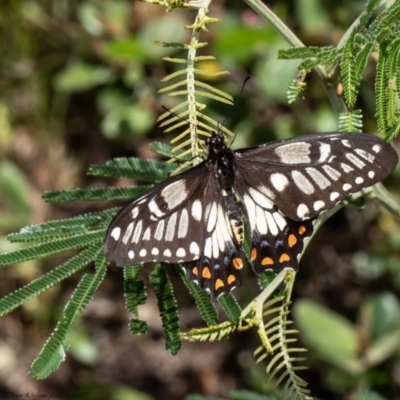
{"x": 196, "y": 218}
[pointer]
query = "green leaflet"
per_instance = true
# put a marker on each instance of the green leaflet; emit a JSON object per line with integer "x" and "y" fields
{"x": 109, "y": 193}
{"x": 53, "y": 352}
{"x": 34, "y": 288}
{"x": 134, "y": 168}
{"x": 55, "y": 246}
{"x": 203, "y": 302}
{"x": 168, "y": 308}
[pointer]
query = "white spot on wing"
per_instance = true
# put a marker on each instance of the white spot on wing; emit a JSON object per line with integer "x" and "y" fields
{"x": 183, "y": 224}
{"x": 137, "y": 232}
{"x": 273, "y": 228}
{"x": 159, "y": 230}
{"x": 268, "y": 192}
{"x": 334, "y": 196}
{"x": 279, "y": 181}
{"x": 197, "y": 210}
{"x": 146, "y": 235}
{"x": 355, "y": 160}
{"x": 153, "y": 207}
{"x": 346, "y": 187}
{"x": 215, "y": 247}
{"x": 324, "y": 151}
{"x": 261, "y": 221}
{"x": 364, "y": 154}
{"x": 376, "y": 148}
{"x": 251, "y": 211}
{"x": 171, "y": 224}
{"x": 116, "y": 233}
{"x": 294, "y": 153}
{"x": 346, "y": 143}
{"x": 127, "y": 233}
{"x": 181, "y": 252}
{"x": 318, "y": 205}
{"x": 131, "y": 254}
{"x": 260, "y": 199}
{"x": 194, "y": 249}
{"x": 302, "y": 182}
{"x": 280, "y": 220}
{"x": 318, "y": 178}
{"x": 208, "y": 248}
{"x": 167, "y": 253}
{"x": 143, "y": 253}
{"x": 135, "y": 212}
{"x": 302, "y": 211}
{"x": 331, "y": 172}
{"x": 155, "y": 251}
{"x": 346, "y": 168}
{"x": 212, "y": 219}
{"x": 175, "y": 193}
{"x": 359, "y": 180}
{"x": 371, "y": 174}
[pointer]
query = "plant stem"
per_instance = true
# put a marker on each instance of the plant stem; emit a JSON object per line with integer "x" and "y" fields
{"x": 336, "y": 100}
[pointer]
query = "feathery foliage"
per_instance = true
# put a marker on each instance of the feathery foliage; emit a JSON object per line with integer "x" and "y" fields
{"x": 376, "y": 30}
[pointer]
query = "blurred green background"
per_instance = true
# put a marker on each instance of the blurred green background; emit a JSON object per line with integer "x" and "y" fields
{"x": 78, "y": 85}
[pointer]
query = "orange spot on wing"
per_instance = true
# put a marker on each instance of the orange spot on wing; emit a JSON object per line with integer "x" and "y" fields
{"x": 253, "y": 254}
{"x": 292, "y": 240}
{"x": 219, "y": 284}
{"x": 195, "y": 271}
{"x": 237, "y": 263}
{"x": 302, "y": 229}
{"x": 284, "y": 257}
{"x": 231, "y": 279}
{"x": 267, "y": 261}
{"x": 206, "y": 273}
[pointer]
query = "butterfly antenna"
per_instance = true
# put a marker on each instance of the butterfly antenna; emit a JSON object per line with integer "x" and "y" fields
{"x": 234, "y": 106}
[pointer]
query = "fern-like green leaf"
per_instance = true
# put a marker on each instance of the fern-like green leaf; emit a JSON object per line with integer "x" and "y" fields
{"x": 34, "y": 288}
{"x": 134, "y": 168}
{"x": 137, "y": 326}
{"x": 392, "y": 69}
{"x": 350, "y": 121}
{"x": 168, "y": 308}
{"x": 109, "y": 193}
{"x": 230, "y": 306}
{"x": 53, "y": 352}
{"x": 348, "y": 73}
{"x": 135, "y": 295}
{"x": 297, "y": 87}
{"x": 381, "y": 89}
{"x": 55, "y": 246}
{"x": 361, "y": 59}
{"x": 203, "y": 302}
{"x": 372, "y": 5}
{"x": 65, "y": 227}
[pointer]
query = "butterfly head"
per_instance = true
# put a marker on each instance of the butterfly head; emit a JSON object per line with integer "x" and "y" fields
{"x": 216, "y": 145}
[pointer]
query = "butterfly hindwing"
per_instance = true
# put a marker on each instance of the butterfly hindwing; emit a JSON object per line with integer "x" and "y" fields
{"x": 276, "y": 240}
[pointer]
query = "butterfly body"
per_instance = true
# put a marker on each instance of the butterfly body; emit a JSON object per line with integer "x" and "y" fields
{"x": 276, "y": 190}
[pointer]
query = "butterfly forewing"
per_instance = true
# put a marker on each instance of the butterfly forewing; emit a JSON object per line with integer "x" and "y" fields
{"x": 163, "y": 224}
{"x": 308, "y": 175}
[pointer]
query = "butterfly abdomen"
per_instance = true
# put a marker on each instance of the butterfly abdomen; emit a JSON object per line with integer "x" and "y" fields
{"x": 234, "y": 215}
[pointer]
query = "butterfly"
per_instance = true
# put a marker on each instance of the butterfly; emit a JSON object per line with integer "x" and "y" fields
{"x": 275, "y": 191}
